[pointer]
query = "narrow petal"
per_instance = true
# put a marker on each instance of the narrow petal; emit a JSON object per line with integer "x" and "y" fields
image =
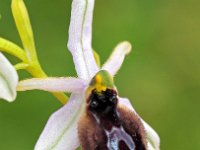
{"x": 8, "y": 80}
{"x": 70, "y": 85}
{"x": 23, "y": 24}
{"x": 116, "y": 59}
{"x": 153, "y": 138}
{"x": 60, "y": 132}
{"x": 80, "y": 34}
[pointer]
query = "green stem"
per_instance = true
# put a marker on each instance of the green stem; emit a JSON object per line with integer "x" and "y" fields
{"x": 28, "y": 55}
{"x": 12, "y": 49}
{"x": 32, "y": 65}
{"x": 21, "y": 66}
{"x": 24, "y": 28}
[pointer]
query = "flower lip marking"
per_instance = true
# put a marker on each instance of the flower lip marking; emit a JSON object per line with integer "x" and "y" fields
{"x": 118, "y": 137}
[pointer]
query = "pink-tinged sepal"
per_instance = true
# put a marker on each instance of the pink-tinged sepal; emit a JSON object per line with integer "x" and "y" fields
{"x": 80, "y": 38}
{"x": 61, "y": 84}
{"x": 60, "y": 132}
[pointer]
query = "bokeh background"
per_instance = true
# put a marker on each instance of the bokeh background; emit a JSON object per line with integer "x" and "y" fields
{"x": 161, "y": 76}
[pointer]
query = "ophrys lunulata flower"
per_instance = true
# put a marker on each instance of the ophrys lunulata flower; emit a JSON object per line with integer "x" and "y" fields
{"x": 95, "y": 111}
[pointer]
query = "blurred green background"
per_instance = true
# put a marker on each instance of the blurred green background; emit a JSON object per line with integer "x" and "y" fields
{"x": 161, "y": 76}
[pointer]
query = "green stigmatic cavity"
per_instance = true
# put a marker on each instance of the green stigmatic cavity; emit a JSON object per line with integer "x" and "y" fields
{"x": 101, "y": 81}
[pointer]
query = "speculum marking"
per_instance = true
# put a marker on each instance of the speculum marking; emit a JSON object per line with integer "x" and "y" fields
{"x": 116, "y": 136}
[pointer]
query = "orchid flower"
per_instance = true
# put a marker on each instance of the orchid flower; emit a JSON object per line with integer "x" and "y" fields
{"x": 61, "y": 130}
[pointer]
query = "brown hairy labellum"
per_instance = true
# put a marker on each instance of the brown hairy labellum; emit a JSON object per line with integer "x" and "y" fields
{"x": 106, "y": 125}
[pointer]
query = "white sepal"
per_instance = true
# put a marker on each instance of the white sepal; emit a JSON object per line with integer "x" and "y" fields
{"x": 60, "y": 132}
{"x": 8, "y": 80}
{"x": 80, "y": 35}
{"x": 61, "y": 84}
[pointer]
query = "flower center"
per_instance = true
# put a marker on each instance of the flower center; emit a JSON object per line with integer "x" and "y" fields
{"x": 103, "y": 103}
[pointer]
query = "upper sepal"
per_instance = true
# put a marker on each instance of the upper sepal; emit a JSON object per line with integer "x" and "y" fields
{"x": 8, "y": 80}
{"x": 80, "y": 38}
